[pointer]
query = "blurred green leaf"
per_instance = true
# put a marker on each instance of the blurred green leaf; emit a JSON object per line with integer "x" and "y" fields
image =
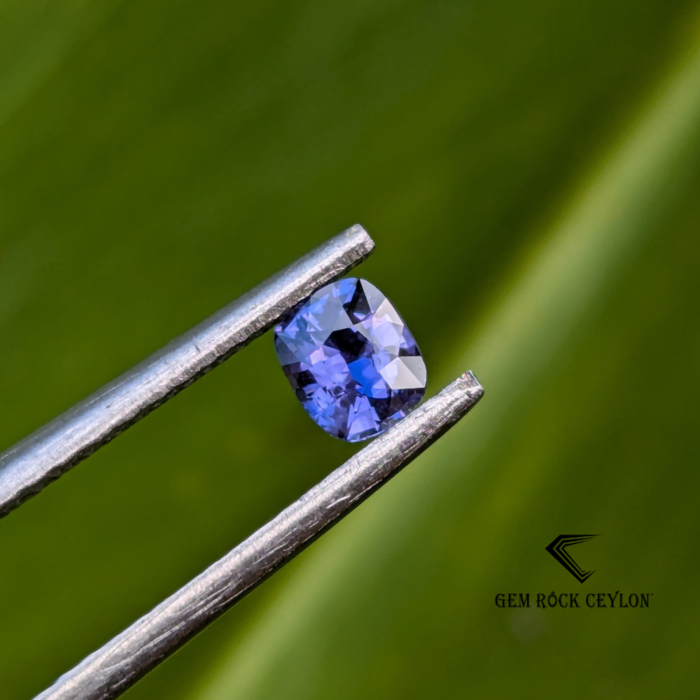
{"x": 399, "y": 599}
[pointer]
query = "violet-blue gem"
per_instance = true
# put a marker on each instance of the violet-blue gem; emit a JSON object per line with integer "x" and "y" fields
{"x": 351, "y": 360}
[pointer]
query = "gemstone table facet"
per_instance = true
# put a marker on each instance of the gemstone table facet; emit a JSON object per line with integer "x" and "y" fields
{"x": 351, "y": 360}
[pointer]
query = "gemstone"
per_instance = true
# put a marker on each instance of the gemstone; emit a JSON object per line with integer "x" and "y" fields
{"x": 351, "y": 360}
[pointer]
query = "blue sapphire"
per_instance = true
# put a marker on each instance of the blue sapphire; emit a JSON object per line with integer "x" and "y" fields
{"x": 350, "y": 359}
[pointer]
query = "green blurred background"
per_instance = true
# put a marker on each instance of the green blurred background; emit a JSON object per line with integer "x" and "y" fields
{"x": 530, "y": 174}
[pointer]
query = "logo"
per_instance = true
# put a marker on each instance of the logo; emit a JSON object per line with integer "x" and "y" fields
{"x": 558, "y": 550}
{"x": 567, "y": 600}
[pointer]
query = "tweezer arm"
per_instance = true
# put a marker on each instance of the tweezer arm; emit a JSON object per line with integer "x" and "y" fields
{"x": 108, "y": 672}
{"x": 45, "y": 455}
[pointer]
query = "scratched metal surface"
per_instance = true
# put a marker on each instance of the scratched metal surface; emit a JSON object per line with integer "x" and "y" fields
{"x": 111, "y": 670}
{"x": 31, "y": 464}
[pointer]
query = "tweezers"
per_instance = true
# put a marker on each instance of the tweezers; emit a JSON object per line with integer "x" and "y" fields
{"x": 44, "y": 456}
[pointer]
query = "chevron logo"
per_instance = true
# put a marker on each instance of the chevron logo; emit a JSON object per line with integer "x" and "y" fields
{"x": 558, "y": 550}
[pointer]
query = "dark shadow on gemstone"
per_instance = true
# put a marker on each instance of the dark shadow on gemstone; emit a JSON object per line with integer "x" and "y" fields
{"x": 351, "y": 344}
{"x": 297, "y": 377}
{"x": 411, "y": 351}
{"x": 358, "y": 307}
{"x": 383, "y": 407}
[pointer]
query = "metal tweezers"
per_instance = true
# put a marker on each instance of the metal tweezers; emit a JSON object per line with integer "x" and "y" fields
{"x": 44, "y": 456}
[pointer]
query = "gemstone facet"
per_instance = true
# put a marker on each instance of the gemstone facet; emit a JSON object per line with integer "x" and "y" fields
{"x": 351, "y": 360}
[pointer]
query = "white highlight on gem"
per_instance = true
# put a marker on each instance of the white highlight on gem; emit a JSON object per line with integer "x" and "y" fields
{"x": 405, "y": 373}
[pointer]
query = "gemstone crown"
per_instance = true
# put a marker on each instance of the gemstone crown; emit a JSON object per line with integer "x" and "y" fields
{"x": 351, "y": 360}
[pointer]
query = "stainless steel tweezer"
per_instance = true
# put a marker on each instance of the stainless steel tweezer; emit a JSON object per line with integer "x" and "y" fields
{"x": 37, "y": 460}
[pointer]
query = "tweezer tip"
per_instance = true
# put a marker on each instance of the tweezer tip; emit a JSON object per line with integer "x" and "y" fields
{"x": 472, "y": 384}
{"x": 364, "y": 240}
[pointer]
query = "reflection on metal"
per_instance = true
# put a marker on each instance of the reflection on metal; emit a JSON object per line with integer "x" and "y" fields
{"x": 110, "y": 671}
{"x": 44, "y": 456}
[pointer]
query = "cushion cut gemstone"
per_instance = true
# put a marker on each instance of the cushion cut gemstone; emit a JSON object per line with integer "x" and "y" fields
{"x": 351, "y": 360}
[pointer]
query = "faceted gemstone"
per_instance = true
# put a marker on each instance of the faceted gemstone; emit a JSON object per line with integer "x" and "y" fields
{"x": 351, "y": 360}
